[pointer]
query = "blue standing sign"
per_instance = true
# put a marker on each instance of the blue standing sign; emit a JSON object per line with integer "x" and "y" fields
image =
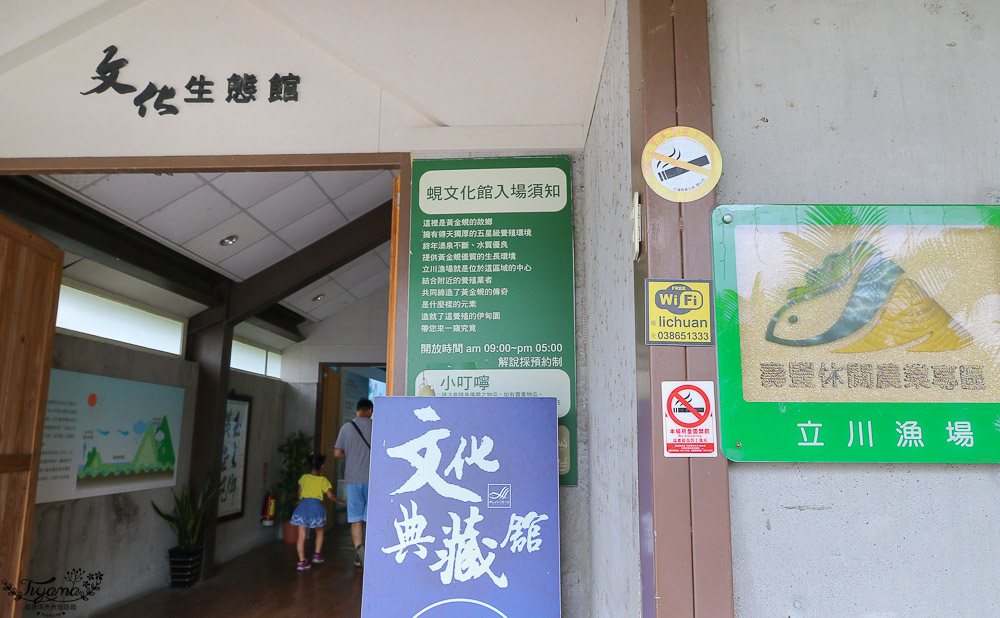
{"x": 463, "y": 509}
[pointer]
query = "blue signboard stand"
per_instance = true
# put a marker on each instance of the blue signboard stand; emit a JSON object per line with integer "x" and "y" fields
{"x": 463, "y": 509}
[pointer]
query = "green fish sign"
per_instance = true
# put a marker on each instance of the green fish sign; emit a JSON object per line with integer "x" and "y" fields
{"x": 896, "y": 307}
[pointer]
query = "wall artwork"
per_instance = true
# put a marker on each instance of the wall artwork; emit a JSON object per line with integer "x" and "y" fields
{"x": 234, "y": 457}
{"x": 108, "y": 435}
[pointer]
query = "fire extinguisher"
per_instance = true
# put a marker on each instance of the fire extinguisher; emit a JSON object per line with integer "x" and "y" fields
{"x": 267, "y": 513}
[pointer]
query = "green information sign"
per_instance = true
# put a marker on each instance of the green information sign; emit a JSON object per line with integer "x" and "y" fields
{"x": 858, "y": 333}
{"x": 491, "y": 310}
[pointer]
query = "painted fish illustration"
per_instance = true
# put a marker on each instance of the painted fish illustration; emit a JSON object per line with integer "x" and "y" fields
{"x": 899, "y": 310}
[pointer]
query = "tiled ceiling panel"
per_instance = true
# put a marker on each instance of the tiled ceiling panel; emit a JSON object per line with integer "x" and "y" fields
{"x": 269, "y": 250}
{"x": 197, "y": 211}
{"x": 79, "y": 181}
{"x": 248, "y": 188}
{"x": 303, "y": 301}
{"x": 138, "y": 195}
{"x": 209, "y": 245}
{"x": 274, "y": 214}
{"x": 312, "y": 227}
{"x": 378, "y": 280}
{"x": 335, "y": 184}
{"x": 289, "y": 204}
{"x": 332, "y": 306}
{"x": 363, "y": 268}
{"x": 357, "y": 202}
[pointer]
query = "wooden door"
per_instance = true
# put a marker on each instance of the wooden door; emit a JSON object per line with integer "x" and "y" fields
{"x": 30, "y": 272}
{"x": 330, "y": 428}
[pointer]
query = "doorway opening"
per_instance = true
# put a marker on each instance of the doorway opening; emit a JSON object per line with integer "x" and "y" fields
{"x": 194, "y": 283}
{"x": 340, "y": 387}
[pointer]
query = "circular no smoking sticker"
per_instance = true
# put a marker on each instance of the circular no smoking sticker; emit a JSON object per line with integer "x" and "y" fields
{"x": 688, "y": 406}
{"x": 681, "y": 164}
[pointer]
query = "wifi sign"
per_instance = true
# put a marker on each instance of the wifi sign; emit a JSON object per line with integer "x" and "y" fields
{"x": 498, "y": 496}
{"x": 679, "y": 299}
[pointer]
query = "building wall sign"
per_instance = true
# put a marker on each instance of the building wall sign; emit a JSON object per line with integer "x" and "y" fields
{"x": 858, "y": 333}
{"x": 689, "y": 413}
{"x": 463, "y": 511}
{"x": 678, "y": 312}
{"x": 681, "y": 164}
{"x": 240, "y": 88}
{"x": 491, "y": 309}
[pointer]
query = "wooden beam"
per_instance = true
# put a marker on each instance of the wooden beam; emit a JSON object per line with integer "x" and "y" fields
{"x": 205, "y": 163}
{"x": 211, "y": 349}
{"x": 15, "y": 463}
{"x": 81, "y": 230}
{"x": 686, "y": 556}
{"x": 400, "y": 274}
{"x": 711, "y": 543}
{"x": 311, "y": 263}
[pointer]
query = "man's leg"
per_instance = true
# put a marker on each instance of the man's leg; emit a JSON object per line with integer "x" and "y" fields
{"x": 356, "y": 511}
{"x": 358, "y": 533}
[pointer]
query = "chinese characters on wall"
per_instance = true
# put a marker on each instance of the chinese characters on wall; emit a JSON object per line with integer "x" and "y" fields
{"x": 239, "y": 88}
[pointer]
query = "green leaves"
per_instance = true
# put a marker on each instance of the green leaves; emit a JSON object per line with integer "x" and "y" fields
{"x": 294, "y": 451}
{"x": 187, "y": 519}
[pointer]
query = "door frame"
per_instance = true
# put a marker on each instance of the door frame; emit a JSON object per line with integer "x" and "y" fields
{"x": 318, "y": 431}
{"x": 206, "y": 449}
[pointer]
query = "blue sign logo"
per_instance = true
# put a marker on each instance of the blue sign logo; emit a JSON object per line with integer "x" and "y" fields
{"x": 498, "y": 496}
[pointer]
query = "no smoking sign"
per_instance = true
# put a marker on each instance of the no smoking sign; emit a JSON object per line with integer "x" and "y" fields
{"x": 689, "y": 419}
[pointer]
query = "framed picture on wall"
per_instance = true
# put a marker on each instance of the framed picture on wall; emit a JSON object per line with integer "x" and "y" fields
{"x": 234, "y": 457}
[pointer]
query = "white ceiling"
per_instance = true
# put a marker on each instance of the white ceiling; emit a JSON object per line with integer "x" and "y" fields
{"x": 273, "y": 214}
{"x": 377, "y": 75}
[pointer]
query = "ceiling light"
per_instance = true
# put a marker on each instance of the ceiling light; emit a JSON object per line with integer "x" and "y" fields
{"x": 229, "y": 240}
{"x": 318, "y": 297}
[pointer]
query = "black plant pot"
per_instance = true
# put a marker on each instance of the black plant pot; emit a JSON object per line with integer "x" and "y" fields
{"x": 185, "y": 567}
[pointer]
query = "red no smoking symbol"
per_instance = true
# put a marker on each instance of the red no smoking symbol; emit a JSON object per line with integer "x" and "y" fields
{"x": 700, "y": 413}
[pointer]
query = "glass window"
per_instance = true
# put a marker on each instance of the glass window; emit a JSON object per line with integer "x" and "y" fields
{"x": 91, "y": 314}
{"x": 248, "y": 358}
{"x": 274, "y": 364}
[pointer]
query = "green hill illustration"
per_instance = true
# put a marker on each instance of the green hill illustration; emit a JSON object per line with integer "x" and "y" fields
{"x": 151, "y": 456}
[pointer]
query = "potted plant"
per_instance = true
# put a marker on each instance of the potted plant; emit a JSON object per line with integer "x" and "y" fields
{"x": 188, "y": 522}
{"x": 294, "y": 451}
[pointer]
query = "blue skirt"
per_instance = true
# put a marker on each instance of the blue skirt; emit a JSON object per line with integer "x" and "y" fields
{"x": 309, "y": 513}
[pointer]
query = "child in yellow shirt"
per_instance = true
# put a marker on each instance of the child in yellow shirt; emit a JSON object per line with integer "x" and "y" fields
{"x": 310, "y": 512}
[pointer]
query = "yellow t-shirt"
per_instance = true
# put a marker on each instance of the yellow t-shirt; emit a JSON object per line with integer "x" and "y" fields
{"x": 314, "y": 486}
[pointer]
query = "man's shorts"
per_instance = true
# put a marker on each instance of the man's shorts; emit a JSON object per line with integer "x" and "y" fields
{"x": 357, "y": 502}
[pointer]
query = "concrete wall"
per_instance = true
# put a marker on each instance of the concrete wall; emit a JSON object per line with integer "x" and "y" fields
{"x": 119, "y": 534}
{"x": 267, "y": 419}
{"x": 605, "y": 342}
{"x": 860, "y": 102}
